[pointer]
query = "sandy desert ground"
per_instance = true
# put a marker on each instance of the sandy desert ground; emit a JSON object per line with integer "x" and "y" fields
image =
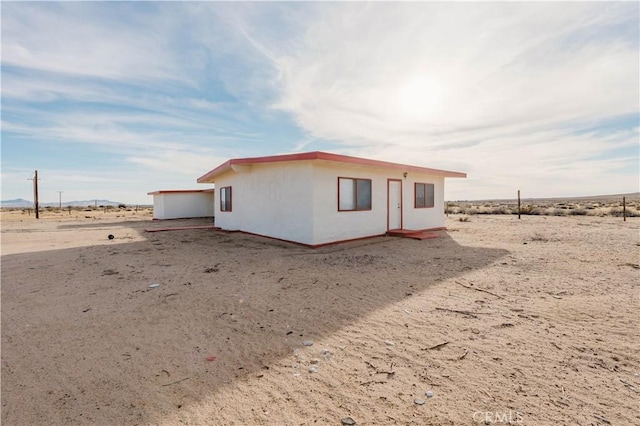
{"x": 531, "y": 321}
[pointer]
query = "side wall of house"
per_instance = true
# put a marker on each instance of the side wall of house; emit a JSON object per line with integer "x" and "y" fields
{"x": 331, "y": 225}
{"x": 271, "y": 199}
{"x": 183, "y": 205}
{"x": 158, "y": 206}
{"x": 423, "y": 218}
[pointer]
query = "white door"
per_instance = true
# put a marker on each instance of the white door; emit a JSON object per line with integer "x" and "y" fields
{"x": 394, "y": 204}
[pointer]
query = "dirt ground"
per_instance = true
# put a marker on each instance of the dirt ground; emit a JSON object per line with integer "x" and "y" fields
{"x": 531, "y": 321}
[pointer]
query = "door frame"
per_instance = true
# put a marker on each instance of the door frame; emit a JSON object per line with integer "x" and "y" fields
{"x": 389, "y": 180}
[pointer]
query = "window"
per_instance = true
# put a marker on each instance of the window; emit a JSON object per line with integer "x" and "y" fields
{"x": 354, "y": 194}
{"x": 424, "y": 195}
{"x": 225, "y": 199}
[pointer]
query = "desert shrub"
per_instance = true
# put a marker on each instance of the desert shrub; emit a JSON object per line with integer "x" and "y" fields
{"x": 463, "y": 219}
{"x": 478, "y": 210}
{"x": 578, "y": 212}
{"x": 595, "y": 212}
{"x": 617, "y": 212}
{"x": 558, "y": 212}
{"x": 539, "y": 237}
{"x": 122, "y": 206}
{"x": 528, "y": 209}
{"x": 538, "y": 211}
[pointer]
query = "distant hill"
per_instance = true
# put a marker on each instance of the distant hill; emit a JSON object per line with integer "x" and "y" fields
{"x": 22, "y": 203}
{"x": 18, "y": 202}
{"x": 630, "y": 196}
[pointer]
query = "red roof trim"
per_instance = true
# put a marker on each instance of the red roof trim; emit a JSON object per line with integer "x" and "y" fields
{"x": 318, "y": 155}
{"x": 179, "y": 191}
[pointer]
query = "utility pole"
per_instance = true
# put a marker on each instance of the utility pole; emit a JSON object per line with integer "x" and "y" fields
{"x": 60, "y": 199}
{"x": 35, "y": 194}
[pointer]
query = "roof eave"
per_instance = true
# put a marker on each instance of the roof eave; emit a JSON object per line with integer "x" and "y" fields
{"x": 319, "y": 155}
{"x": 209, "y": 176}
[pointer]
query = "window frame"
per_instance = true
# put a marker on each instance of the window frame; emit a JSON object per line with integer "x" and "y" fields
{"x": 355, "y": 194}
{"x": 426, "y": 197}
{"x": 230, "y": 199}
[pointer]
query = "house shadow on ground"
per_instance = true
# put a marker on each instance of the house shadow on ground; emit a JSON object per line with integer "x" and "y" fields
{"x": 137, "y": 223}
{"x": 86, "y": 340}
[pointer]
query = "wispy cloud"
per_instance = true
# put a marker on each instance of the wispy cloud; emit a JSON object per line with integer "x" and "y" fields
{"x": 67, "y": 38}
{"x": 469, "y": 65}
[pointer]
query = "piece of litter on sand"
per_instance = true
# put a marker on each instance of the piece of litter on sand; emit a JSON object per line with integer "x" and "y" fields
{"x": 429, "y": 394}
{"x": 389, "y": 343}
{"x": 313, "y": 369}
{"x": 296, "y": 374}
{"x": 418, "y": 401}
{"x": 111, "y": 237}
{"x": 211, "y": 358}
{"x": 154, "y": 286}
{"x": 307, "y": 343}
{"x": 348, "y": 421}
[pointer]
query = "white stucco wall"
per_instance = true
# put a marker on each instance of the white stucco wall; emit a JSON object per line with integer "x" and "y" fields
{"x": 158, "y": 206}
{"x": 272, "y": 199}
{"x": 423, "y": 218}
{"x": 183, "y": 205}
{"x": 333, "y": 225}
{"x": 298, "y": 201}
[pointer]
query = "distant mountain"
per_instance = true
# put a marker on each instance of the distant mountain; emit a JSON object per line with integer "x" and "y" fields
{"x": 83, "y": 203}
{"x": 18, "y": 202}
{"x": 22, "y": 203}
{"x": 630, "y": 196}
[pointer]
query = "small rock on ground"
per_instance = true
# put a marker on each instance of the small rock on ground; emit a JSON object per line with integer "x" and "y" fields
{"x": 419, "y": 401}
{"x": 307, "y": 343}
{"x": 348, "y": 421}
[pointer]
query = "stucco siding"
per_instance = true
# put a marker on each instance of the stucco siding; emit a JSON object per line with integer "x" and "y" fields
{"x": 423, "y": 218}
{"x": 183, "y": 205}
{"x": 332, "y": 225}
{"x": 158, "y": 206}
{"x": 270, "y": 199}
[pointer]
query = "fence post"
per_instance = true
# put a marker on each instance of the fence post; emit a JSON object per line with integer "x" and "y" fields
{"x": 518, "y": 204}
{"x": 624, "y": 209}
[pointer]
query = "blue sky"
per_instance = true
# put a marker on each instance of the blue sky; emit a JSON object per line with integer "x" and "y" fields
{"x": 113, "y": 100}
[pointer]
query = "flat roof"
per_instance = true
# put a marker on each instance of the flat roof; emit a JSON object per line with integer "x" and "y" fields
{"x": 179, "y": 191}
{"x": 319, "y": 155}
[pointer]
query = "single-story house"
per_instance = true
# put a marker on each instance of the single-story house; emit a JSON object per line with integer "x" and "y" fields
{"x": 318, "y": 198}
{"x": 183, "y": 203}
